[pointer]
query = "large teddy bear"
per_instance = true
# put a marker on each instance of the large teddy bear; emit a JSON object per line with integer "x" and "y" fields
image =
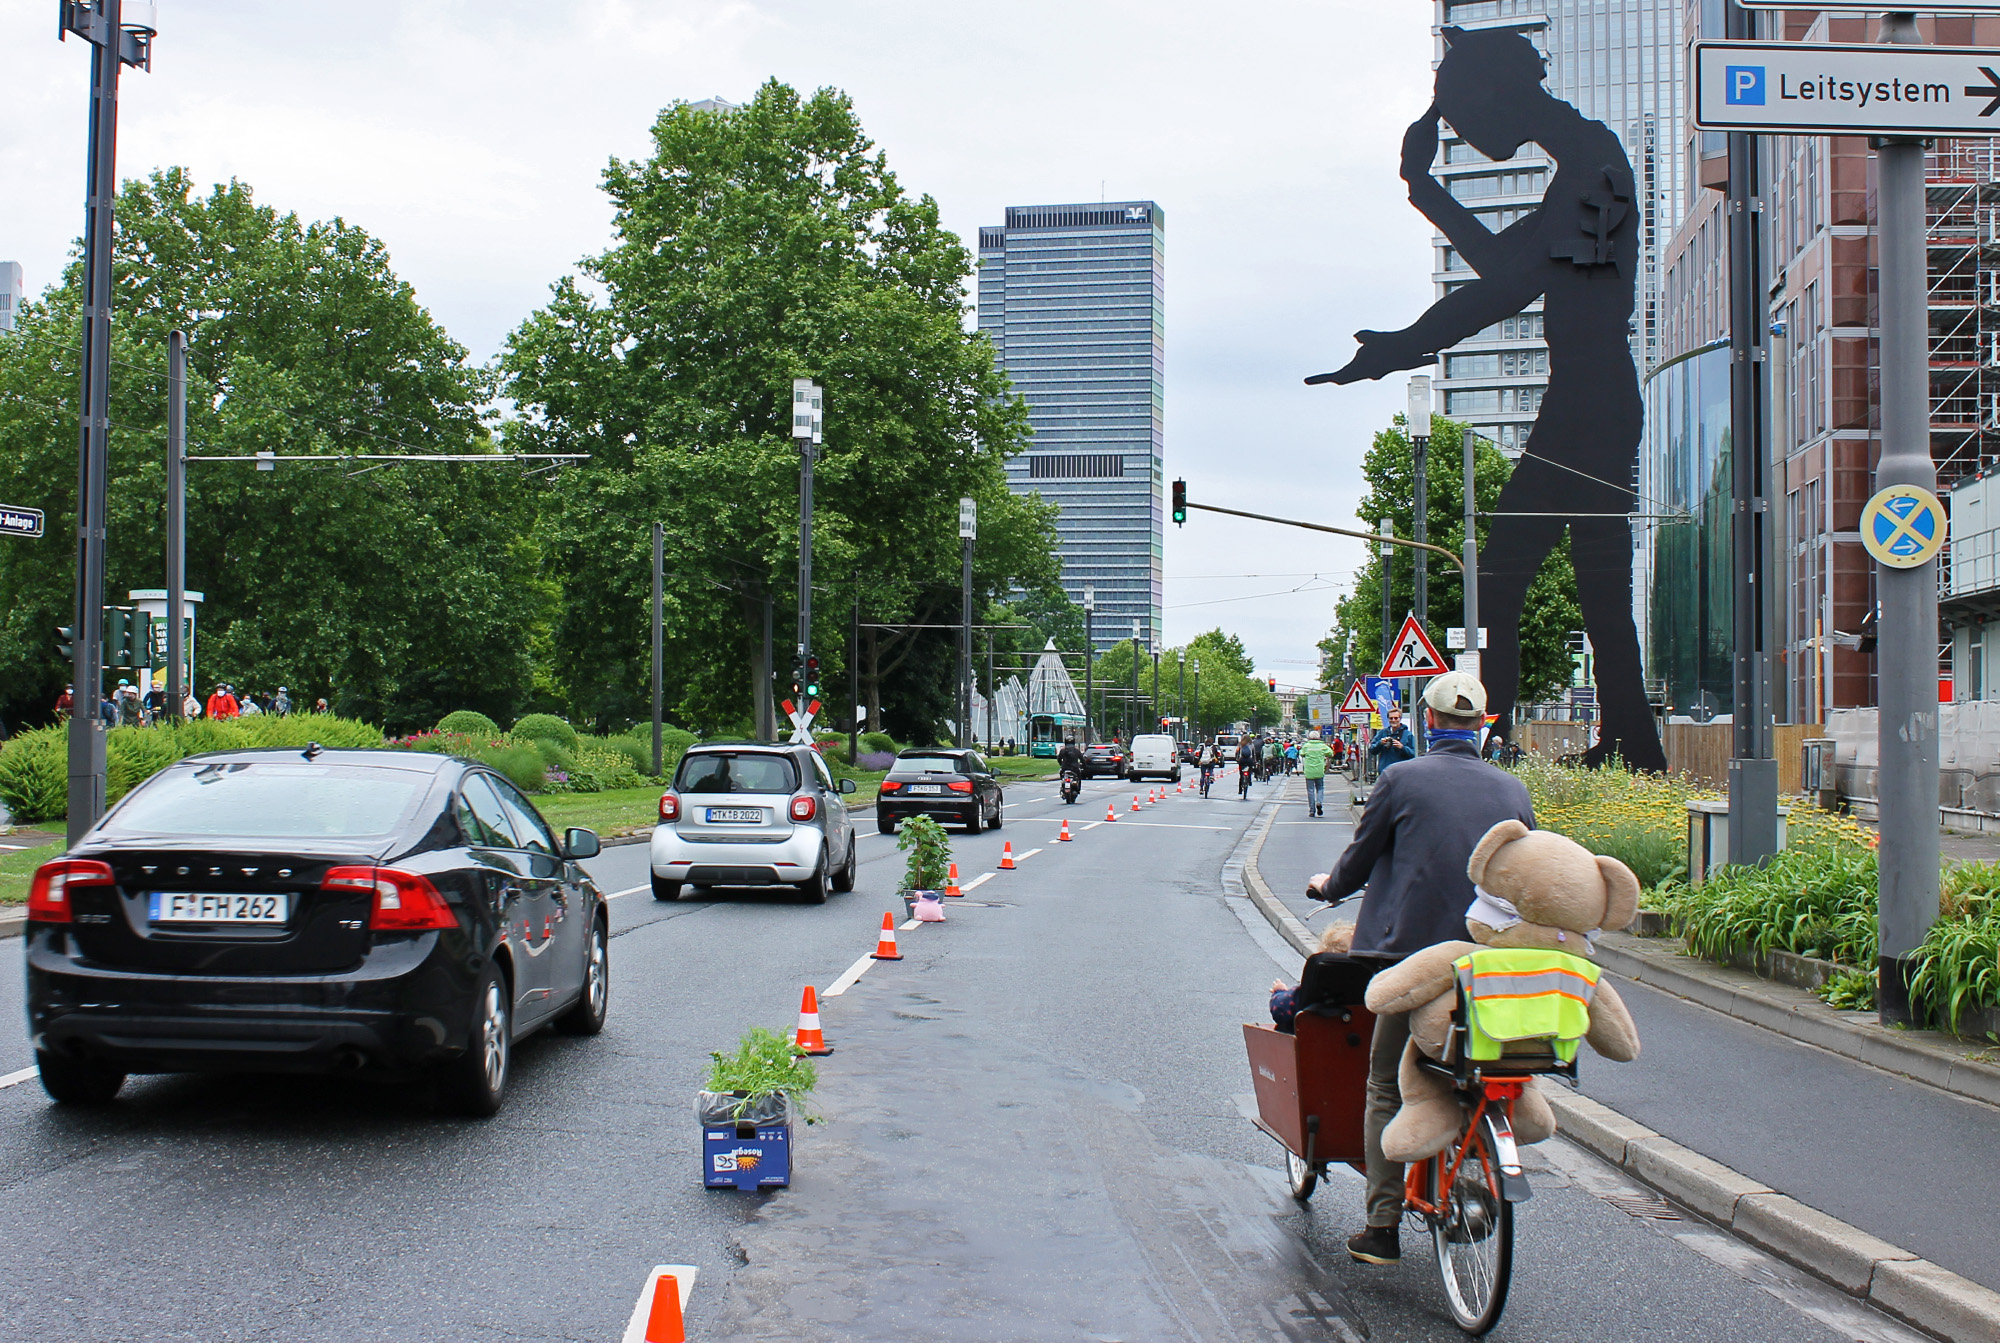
{"x": 1535, "y": 889}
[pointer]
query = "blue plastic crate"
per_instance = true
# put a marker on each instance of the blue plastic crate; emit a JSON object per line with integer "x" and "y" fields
{"x": 762, "y": 1161}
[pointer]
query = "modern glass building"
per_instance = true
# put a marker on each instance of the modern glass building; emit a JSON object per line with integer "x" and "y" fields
{"x": 1074, "y": 300}
{"x": 1620, "y": 62}
{"x": 1683, "y": 601}
{"x": 10, "y": 293}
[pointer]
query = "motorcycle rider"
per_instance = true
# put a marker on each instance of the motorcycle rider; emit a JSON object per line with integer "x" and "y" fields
{"x": 1069, "y": 760}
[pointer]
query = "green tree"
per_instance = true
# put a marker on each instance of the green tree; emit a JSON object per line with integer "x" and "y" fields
{"x": 753, "y": 247}
{"x": 399, "y": 594}
{"x": 1551, "y": 610}
{"x": 1229, "y": 689}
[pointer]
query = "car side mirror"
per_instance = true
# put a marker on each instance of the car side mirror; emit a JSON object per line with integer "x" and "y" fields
{"x": 848, "y": 786}
{"x": 579, "y": 843}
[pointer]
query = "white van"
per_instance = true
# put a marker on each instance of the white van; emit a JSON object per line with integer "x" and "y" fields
{"x": 1154, "y": 753}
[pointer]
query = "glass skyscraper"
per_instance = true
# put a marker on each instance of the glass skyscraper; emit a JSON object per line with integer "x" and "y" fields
{"x": 1619, "y": 62}
{"x": 1073, "y": 298}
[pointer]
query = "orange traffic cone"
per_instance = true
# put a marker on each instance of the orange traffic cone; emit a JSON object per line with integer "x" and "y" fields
{"x": 1135, "y": 802}
{"x": 951, "y": 882}
{"x": 885, "y": 945}
{"x": 1111, "y": 811}
{"x": 809, "y": 1037}
{"x": 664, "y": 1323}
{"x": 1064, "y": 835}
{"x": 1007, "y": 856}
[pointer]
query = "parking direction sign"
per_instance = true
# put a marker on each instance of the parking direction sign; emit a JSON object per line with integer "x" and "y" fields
{"x": 1838, "y": 89}
{"x": 20, "y": 521}
{"x": 1903, "y": 526}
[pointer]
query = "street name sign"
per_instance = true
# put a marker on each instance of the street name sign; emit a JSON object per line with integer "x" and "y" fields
{"x": 20, "y": 521}
{"x": 1795, "y": 87}
{"x": 1413, "y": 653}
{"x": 1454, "y": 636}
{"x": 1904, "y": 526}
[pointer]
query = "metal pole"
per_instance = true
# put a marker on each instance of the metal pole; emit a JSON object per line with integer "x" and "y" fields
{"x": 1180, "y": 696}
{"x": 854, "y": 679}
{"x": 1089, "y": 670}
{"x": 86, "y": 724}
{"x": 965, "y": 651}
{"x": 990, "y": 689}
{"x": 1470, "y": 662}
{"x": 1388, "y": 598}
{"x": 1420, "y": 531}
{"x": 1753, "y": 775}
{"x": 767, "y": 707}
{"x": 176, "y": 522}
{"x": 1906, "y": 665}
{"x": 805, "y": 552}
{"x": 1132, "y": 705}
{"x": 1155, "y": 706}
{"x": 659, "y": 623}
{"x": 1197, "y": 699}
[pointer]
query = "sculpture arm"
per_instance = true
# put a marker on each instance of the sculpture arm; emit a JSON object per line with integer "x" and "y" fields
{"x": 1453, "y": 318}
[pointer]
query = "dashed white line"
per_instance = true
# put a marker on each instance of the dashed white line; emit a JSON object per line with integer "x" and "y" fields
{"x": 849, "y": 977}
{"x": 976, "y": 882}
{"x": 1024, "y": 857}
{"x": 15, "y": 1079}
{"x": 630, "y": 891}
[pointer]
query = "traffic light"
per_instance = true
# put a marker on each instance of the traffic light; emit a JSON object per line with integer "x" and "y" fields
{"x": 1180, "y": 502}
{"x": 1272, "y": 682}
{"x": 117, "y": 633}
{"x": 66, "y": 642}
{"x": 812, "y": 678}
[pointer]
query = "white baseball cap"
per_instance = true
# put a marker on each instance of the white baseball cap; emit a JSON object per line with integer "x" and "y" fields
{"x": 1457, "y": 693}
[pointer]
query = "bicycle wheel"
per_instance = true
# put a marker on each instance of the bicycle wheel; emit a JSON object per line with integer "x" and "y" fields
{"x": 1475, "y": 1240}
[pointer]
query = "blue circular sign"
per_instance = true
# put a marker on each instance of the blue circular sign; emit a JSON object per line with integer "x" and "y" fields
{"x": 1903, "y": 526}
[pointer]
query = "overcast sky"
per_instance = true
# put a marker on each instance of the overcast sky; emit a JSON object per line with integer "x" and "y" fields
{"x": 470, "y": 137}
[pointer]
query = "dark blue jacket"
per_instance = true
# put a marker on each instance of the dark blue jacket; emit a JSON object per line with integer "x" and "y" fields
{"x": 1411, "y": 845}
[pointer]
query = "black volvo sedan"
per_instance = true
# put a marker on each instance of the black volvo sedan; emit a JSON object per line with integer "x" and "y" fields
{"x": 356, "y": 911}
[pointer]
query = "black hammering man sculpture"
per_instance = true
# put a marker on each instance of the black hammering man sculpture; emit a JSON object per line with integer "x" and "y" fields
{"x": 1578, "y": 252}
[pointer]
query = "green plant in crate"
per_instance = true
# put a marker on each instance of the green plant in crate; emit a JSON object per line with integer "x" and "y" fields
{"x": 930, "y": 854}
{"x": 765, "y": 1063}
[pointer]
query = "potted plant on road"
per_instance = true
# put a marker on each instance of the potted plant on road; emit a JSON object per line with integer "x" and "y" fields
{"x": 930, "y": 859}
{"x": 747, "y": 1108}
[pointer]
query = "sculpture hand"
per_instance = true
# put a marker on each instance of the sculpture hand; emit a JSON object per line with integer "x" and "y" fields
{"x": 1381, "y": 353}
{"x": 1420, "y": 144}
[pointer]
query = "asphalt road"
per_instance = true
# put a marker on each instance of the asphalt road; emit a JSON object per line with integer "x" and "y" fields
{"x": 1032, "y": 1132}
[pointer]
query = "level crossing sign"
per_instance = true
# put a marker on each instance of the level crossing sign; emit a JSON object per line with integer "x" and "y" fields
{"x": 802, "y": 721}
{"x": 1904, "y": 526}
{"x": 1413, "y": 653}
{"x": 1841, "y": 89}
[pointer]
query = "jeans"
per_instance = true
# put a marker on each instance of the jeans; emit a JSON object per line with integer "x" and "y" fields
{"x": 1315, "y": 793}
{"x": 1385, "y": 1097}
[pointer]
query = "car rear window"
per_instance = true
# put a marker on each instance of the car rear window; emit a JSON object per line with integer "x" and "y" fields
{"x": 1153, "y": 743}
{"x": 926, "y": 764}
{"x": 271, "y": 799}
{"x": 731, "y": 772}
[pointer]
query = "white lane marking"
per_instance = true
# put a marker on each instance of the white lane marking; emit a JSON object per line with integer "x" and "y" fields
{"x": 913, "y": 923}
{"x": 1170, "y": 825}
{"x": 1094, "y": 824}
{"x": 1024, "y": 857}
{"x": 976, "y": 882}
{"x": 632, "y": 891}
{"x": 15, "y": 1079}
{"x": 849, "y": 977}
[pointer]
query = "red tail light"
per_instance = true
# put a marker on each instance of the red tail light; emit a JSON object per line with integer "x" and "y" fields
{"x": 670, "y": 807}
{"x": 960, "y": 785}
{"x": 48, "y": 894}
{"x": 804, "y": 808}
{"x": 404, "y": 901}
{"x": 890, "y": 786}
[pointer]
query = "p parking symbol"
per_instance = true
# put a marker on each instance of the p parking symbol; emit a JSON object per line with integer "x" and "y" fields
{"x": 1743, "y": 85}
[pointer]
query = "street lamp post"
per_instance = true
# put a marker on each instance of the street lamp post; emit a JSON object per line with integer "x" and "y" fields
{"x": 1132, "y": 705}
{"x": 968, "y": 532}
{"x": 808, "y": 424}
{"x": 1420, "y": 443}
{"x": 1197, "y": 699}
{"x": 1180, "y": 692}
{"x": 1155, "y": 706}
{"x": 121, "y": 31}
{"x": 1388, "y": 596}
{"x": 177, "y": 686}
{"x": 1089, "y": 661}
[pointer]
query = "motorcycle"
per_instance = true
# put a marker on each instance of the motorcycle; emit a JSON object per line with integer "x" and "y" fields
{"x": 1072, "y": 785}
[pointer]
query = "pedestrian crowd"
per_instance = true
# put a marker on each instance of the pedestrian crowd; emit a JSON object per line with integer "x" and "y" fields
{"x": 128, "y": 706}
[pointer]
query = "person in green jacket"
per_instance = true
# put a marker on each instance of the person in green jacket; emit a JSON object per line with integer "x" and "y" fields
{"x": 1313, "y": 758}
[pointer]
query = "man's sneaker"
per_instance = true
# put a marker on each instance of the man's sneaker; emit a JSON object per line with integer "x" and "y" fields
{"x": 1376, "y": 1245}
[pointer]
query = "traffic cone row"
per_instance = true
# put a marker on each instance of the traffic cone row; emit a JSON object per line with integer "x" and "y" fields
{"x": 1007, "y": 856}
{"x": 809, "y": 1039}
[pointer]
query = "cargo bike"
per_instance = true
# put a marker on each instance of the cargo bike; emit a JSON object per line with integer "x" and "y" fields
{"x": 1312, "y": 1088}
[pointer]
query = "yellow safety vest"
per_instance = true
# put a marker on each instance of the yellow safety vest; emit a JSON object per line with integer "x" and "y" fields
{"x": 1524, "y": 993}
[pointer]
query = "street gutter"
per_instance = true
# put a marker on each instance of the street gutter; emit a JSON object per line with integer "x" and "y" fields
{"x": 1893, "y": 1279}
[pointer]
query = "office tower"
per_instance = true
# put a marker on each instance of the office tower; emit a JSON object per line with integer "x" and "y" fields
{"x": 1073, "y": 299}
{"x": 1619, "y": 62}
{"x": 10, "y": 293}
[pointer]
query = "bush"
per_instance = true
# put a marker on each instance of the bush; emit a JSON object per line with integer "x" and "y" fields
{"x": 554, "y": 754}
{"x": 545, "y": 727}
{"x": 875, "y": 760}
{"x": 1817, "y": 903}
{"x": 34, "y": 766}
{"x": 469, "y": 721}
{"x": 878, "y": 742}
{"x": 521, "y": 764}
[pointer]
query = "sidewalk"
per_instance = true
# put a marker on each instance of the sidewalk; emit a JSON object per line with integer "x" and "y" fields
{"x": 1899, "y": 1160}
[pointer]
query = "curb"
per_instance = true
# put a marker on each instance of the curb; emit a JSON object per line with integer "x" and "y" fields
{"x": 13, "y": 922}
{"x": 1892, "y": 1279}
{"x": 1937, "y": 1060}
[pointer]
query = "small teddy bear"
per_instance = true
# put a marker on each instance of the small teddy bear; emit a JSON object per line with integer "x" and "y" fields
{"x": 1534, "y": 888}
